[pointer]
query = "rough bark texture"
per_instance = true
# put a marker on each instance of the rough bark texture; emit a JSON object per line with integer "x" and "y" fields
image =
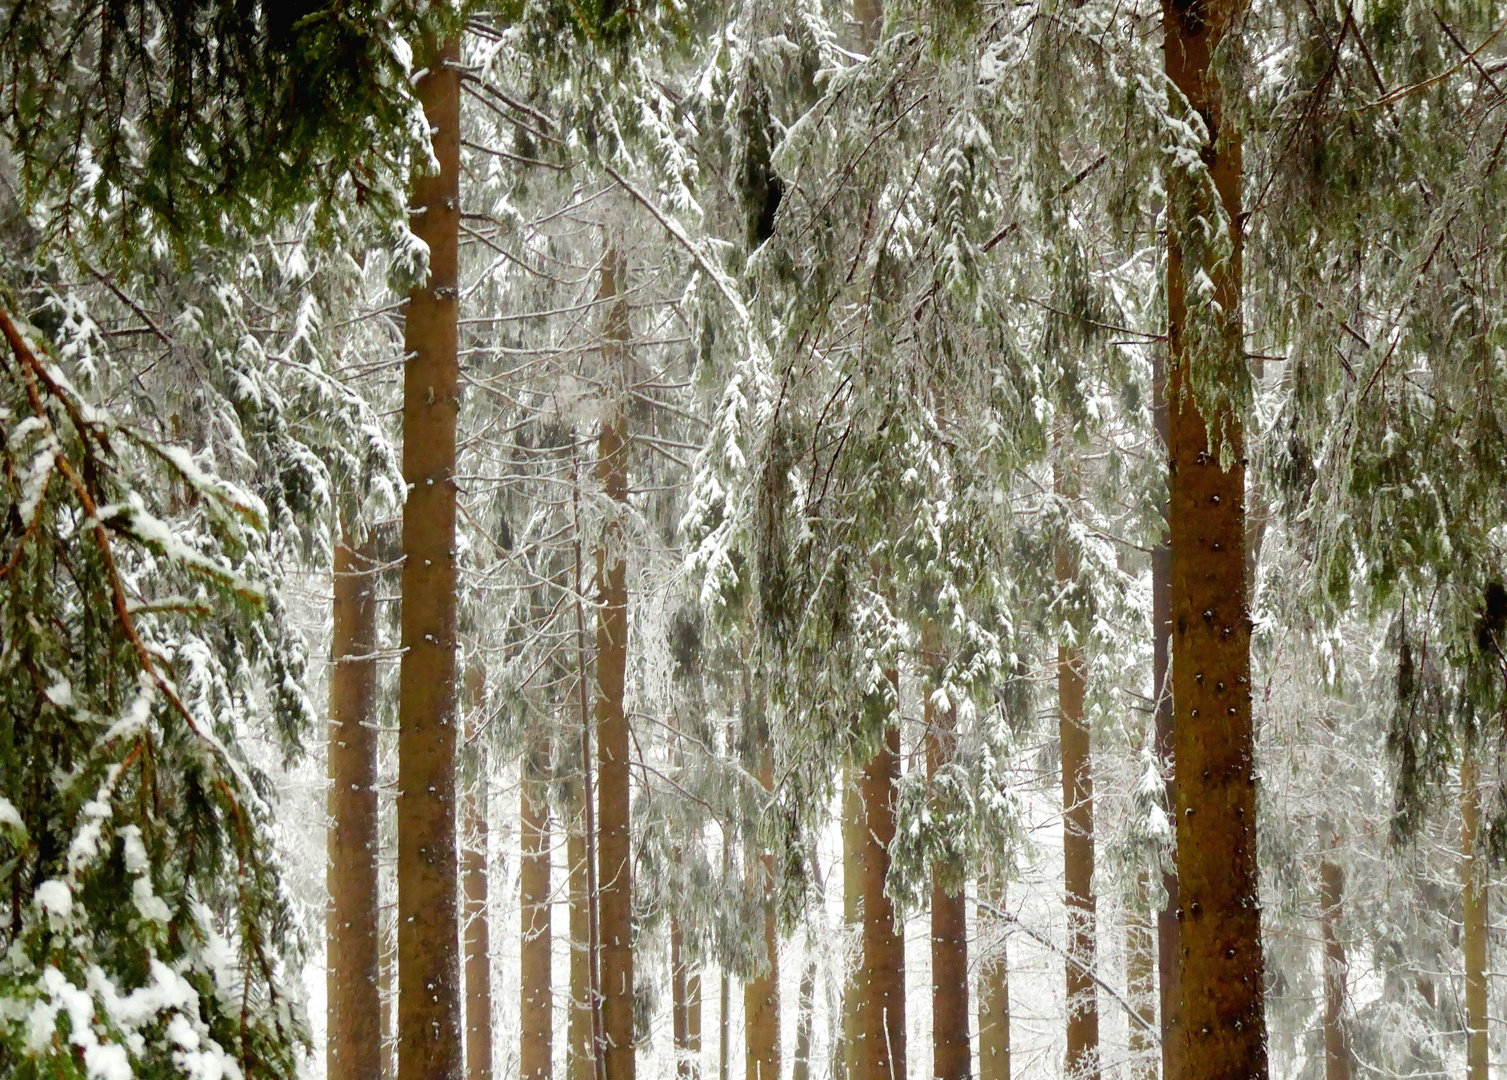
{"x": 535, "y": 1015}
{"x": 761, "y": 994}
{"x": 1168, "y": 948}
{"x": 805, "y": 1018}
{"x": 354, "y": 1047}
{"x": 614, "y": 849}
{"x": 878, "y": 1048}
{"x": 579, "y": 1062}
{"x": 1223, "y": 1019}
{"x": 951, "y": 1054}
{"x": 429, "y": 1013}
{"x": 1140, "y": 978}
{"x": 1337, "y": 1060}
{"x": 994, "y": 997}
{"x": 1473, "y": 937}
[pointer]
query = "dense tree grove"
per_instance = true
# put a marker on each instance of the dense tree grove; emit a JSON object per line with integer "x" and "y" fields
{"x": 824, "y": 539}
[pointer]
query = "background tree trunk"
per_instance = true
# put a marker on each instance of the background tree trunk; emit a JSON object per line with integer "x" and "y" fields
{"x": 879, "y": 1027}
{"x": 693, "y": 1017}
{"x": 761, "y": 994}
{"x": 535, "y": 1012}
{"x": 614, "y": 848}
{"x": 354, "y": 1047}
{"x": 951, "y": 1054}
{"x": 805, "y": 1019}
{"x": 580, "y": 1064}
{"x": 994, "y": 995}
{"x": 477, "y": 957}
{"x": 429, "y": 1012}
{"x": 1337, "y": 1061}
{"x": 843, "y": 1061}
{"x": 1223, "y": 1016}
{"x": 1140, "y": 977}
{"x": 1473, "y": 883}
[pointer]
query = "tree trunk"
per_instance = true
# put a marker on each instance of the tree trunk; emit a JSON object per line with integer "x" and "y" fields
{"x": 354, "y": 1047}
{"x": 761, "y": 994}
{"x": 580, "y": 1064}
{"x": 1167, "y": 936}
{"x": 477, "y": 958}
{"x": 1223, "y": 1018}
{"x": 1337, "y": 1061}
{"x": 994, "y": 996}
{"x": 535, "y": 1013}
{"x": 843, "y": 1060}
{"x": 680, "y": 998}
{"x": 614, "y": 848}
{"x": 879, "y": 1022}
{"x": 1082, "y": 1061}
{"x": 951, "y": 1054}
{"x": 693, "y": 1017}
{"x": 1473, "y": 882}
{"x": 429, "y": 1011}
{"x": 1140, "y": 978}
{"x": 724, "y": 1017}
{"x": 805, "y": 1020}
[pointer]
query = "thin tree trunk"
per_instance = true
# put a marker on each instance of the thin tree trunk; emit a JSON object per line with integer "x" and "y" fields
{"x": 580, "y": 1064}
{"x": 805, "y": 1018}
{"x": 680, "y": 1008}
{"x": 535, "y": 1013}
{"x": 951, "y": 1054}
{"x": 1140, "y": 977}
{"x": 1223, "y": 1017}
{"x": 1169, "y": 984}
{"x": 1082, "y": 1062}
{"x": 477, "y": 951}
{"x": 879, "y": 1027}
{"x": 1337, "y": 1059}
{"x": 1473, "y": 883}
{"x": 724, "y": 1018}
{"x": 614, "y": 848}
{"x": 994, "y": 996}
{"x": 693, "y": 1017}
{"x": 761, "y": 994}
{"x": 843, "y": 1060}
{"x": 354, "y": 1047}
{"x": 429, "y": 1007}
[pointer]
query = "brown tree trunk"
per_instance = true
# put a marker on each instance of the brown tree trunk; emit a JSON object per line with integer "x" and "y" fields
{"x": 535, "y": 1013}
{"x": 1082, "y": 1061}
{"x": 879, "y": 1022}
{"x": 580, "y": 1064}
{"x": 1337, "y": 1060}
{"x": 951, "y": 1054}
{"x": 1140, "y": 978}
{"x": 354, "y": 1047}
{"x": 1473, "y": 883}
{"x": 805, "y": 1019}
{"x": 994, "y": 997}
{"x": 429, "y": 1011}
{"x": 1223, "y": 1018}
{"x": 693, "y": 1018}
{"x": 680, "y": 995}
{"x": 477, "y": 948}
{"x": 1169, "y": 986}
{"x": 614, "y": 847}
{"x": 724, "y": 1018}
{"x": 761, "y": 994}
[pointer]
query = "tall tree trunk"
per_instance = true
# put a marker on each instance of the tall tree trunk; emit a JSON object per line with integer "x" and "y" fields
{"x": 580, "y": 1063}
{"x": 994, "y": 994}
{"x": 805, "y": 1019}
{"x": 1082, "y": 1062}
{"x": 843, "y": 1060}
{"x": 354, "y": 1047}
{"x": 1337, "y": 1060}
{"x": 1169, "y": 986}
{"x": 761, "y": 994}
{"x": 477, "y": 958}
{"x": 535, "y": 1013}
{"x": 879, "y": 1021}
{"x": 614, "y": 847}
{"x": 1223, "y": 1018}
{"x": 951, "y": 1054}
{"x": 693, "y": 1017}
{"x": 724, "y": 1013}
{"x": 680, "y": 1004}
{"x": 1140, "y": 977}
{"x": 429, "y": 1010}
{"x": 1473, "y": 882}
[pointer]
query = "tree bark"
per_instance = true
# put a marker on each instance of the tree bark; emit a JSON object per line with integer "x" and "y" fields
{"x": 951, "y": 1054}
{"x": 535, "y": 1012}
{"x": 805, "y": 1020}
{"x": 1337, "y": 1060}
{"x": 354, "y": 1047}
{"x": 1473, "y": 885}
{"x": 681, "y": 1006}
{"x": 580, "y": 1063}
{"x": 1082, "y": 1061}
{"x": 1223, "y": 1016}
{"x": 994, "y": 996}
{"x": 1140, "y": 978}
{"x": 761, "y": 994}
{"x": 1167, "y": 936}
{"x": 879, "y": 1022}
{"x": 614, "y": 848}
{"x": 477, "y": 958}
{"x": 429, "y": 1008}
